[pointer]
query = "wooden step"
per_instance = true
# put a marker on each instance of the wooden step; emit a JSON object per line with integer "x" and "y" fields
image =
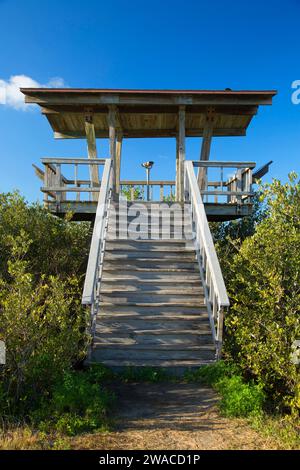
{"x": 152, "y": 312}
{"x": 124, "y": 328}
{"x": 134, "y": 352}
{"x": 150, "y": 289}
{"x": 148, "y": 342}
{"x": 171, "y": 275}
{"x": 146, "y": 264}
{"x": 160, "y": 246}
{"x": 147, "y": 255}
{"x": 172, "y": 366}
{"x": 151, "y": 277}
{"x": 157, "y": 298}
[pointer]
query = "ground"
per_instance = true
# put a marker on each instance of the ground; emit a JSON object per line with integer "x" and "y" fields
{"x": 171, "y": 416}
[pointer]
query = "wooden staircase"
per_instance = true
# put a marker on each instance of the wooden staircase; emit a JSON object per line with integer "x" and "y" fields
{"x": 151, "y": 305}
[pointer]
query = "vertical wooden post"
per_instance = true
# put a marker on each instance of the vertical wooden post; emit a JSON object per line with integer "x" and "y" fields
{"x": 92, "y": 153}
{"x": 181, "y": 153}
{"x": 118, "y": 160}
{"x": 205, "y": 147}
{"x": 177, "y": 170}
{"x": 112, "y": 145}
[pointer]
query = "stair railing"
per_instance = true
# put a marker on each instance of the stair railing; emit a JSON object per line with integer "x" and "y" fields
{"x": 210, "y": 271}
{"x": 92, "y": 281}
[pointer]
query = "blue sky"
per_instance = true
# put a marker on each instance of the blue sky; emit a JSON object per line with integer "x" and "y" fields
{"x": 153, "y": 44}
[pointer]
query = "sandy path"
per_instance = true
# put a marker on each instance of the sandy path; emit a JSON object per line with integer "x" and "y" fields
{"x": 171, "y": 416}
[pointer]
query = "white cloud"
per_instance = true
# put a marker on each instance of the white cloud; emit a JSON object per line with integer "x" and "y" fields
{"x": 11, "y": 96}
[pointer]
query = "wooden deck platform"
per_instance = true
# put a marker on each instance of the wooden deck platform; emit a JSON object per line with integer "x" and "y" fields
{"x": 86, "y": 210}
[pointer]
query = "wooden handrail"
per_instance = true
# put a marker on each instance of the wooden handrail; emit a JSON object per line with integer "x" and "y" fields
{"x": 211, "y": 163}
{"x": 210, "y": 269}
{"x": 72, "y": 161}
{"x": 98, "y": 239}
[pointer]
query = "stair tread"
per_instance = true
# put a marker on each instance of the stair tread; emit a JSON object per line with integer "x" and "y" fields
{"x": 170, "y": 363}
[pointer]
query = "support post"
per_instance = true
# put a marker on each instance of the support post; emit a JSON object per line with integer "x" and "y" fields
{"x": 118, "y": 161}
{"x": 92, "y": 153}
{"x": 112, "y": 145}
{"x": 205, "y": 147}
{"x": 181, "y": 155}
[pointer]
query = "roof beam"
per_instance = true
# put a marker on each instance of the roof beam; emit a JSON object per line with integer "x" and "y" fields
{"x": 144, "y": 133}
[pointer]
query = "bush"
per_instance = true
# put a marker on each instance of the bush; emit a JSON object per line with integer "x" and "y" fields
{"x": 58, "y": 247}
{"x": 261, "y": 263}
{"x": 78, "y": 403}
{"x": 264, "y": 321}
{"x": 43, "y": 328}
{"x": 238, "y": 398}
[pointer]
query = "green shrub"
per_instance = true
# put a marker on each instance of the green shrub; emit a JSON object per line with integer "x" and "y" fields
{"x": 240, "y": 399}
{"x": 77, "y": 404}
{"x": 212, "y": 373}
{"x": 260, "y": 259}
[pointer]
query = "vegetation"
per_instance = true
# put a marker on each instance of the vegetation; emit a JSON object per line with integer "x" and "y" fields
{"x": 137, "y": 192}
{"x": 262, "y": 275}
{"x": 238, "y": 398}
{"x": 43, "y": 261}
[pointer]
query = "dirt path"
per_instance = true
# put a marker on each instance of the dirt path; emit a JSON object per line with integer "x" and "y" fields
{"x": 171, "y": 416}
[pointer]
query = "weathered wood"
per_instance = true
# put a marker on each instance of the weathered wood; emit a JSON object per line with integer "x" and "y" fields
{"x": 224, "y": 164}
{"x": 149, "y": 133}
{"x": 93, "y": 261}
{"x": 205, "y": 149}
{"x": 181, "y": 152}
{"x": 111, "y": 118}
{"x": 118, "y": 160}
{"x": 72, "y": 161}
{"x": 92, "y": 154}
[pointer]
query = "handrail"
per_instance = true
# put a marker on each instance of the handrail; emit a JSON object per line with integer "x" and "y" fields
{"x": 98, "y": 239}
{"x": 73, "y": 160}
{"x": 216, "y": 294}
{"x": 215, "y": 163}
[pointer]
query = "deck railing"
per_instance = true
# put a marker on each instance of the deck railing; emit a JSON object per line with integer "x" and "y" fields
{"x": 97, "y": 248}
{"x": 60, "y": 188}
{"x": 158, "y": 190}
{"x": 235, "y": 188}
{"x": 210, "y": 271}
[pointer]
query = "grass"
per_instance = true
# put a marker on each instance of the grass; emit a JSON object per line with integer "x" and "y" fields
{"x": 82, "y": 402}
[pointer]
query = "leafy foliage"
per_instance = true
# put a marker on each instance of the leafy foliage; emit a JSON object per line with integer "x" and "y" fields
{"x": 137, "y": 192}
{"x": 41, "y": 319}
{"x": 238, "y": 398}
{"x": 57, "y": 246}
{"x": 262, "y": 275}
{"x": 41, "y": 324}
{"x": 78, "y": 403}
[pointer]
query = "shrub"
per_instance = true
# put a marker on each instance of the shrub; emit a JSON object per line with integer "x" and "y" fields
{"x": 78, "y": 404}
{"x": 238, "y": 397}
{"x": 43, "y": 326}
{"x": 264, "y": 322}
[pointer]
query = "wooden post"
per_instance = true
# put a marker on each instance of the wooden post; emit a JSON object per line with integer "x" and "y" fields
{"x": 205, "y": 147}
{"x": 92, "y": 153}
{"x": 181, "y": 154}
{"x": 118, "y": 160}
{"x": 112, "y": 145}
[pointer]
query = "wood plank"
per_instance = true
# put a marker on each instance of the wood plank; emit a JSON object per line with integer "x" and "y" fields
{"x": 111, "y": 119}
{"x": 181, "y": 152}
{"x": 118, "y": 160}
{"x": 205, "y": 149}
{"x": 92, "y": 154}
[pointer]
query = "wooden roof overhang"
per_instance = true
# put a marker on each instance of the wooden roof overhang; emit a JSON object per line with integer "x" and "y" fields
{"x": 147, "y": 113}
